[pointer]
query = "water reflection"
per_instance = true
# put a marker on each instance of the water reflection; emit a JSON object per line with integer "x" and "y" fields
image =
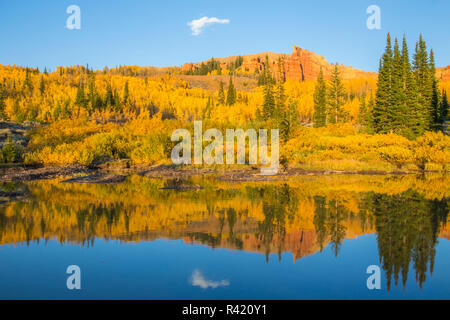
{"x": 305, "y": 216}
{"x": 199, "y": 280}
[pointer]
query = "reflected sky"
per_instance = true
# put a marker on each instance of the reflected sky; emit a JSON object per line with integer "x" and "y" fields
{"x": 305, "y": 239}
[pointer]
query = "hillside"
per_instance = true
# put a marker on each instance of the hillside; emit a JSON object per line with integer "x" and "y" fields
{"x": 301, "y": 65}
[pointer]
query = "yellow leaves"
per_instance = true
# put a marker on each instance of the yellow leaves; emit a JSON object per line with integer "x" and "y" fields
{"x": 396, "y": 155}
{"x": 342, "y": 144}
{"x": 432, "y": 147}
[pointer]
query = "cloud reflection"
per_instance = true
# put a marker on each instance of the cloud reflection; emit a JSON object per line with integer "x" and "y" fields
{"x": 198, "y": 280}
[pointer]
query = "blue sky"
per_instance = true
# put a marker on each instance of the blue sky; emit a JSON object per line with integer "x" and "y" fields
{"x": 155, "y": 33}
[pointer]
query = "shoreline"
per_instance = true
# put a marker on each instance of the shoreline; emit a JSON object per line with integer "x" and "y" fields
{"x": 117, "y": 173}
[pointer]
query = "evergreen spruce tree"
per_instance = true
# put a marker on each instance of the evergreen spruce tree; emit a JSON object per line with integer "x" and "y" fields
{"x": 80, "y": 99}
{"x": 396, "y": 114}
{"x": 231, "y": 93}
{"x": 221, "y": 93}
{"x": 320, "y": 101}
{"x": 109, "y": 99}
{"x": 412, "y": 108}
{"x": 289, "y": 122}
{"x": 280, "y": 95}
{"x": 424, "y": 87}
{"x": 42, "y": 86}
{"x": 28, "y": 84}
{"x": 116, "y": 101}
{"x": 444, "y": 108}
{"x": 384, "y": 90}
{"x": 207, "y": 110}
{"x": 95, "y": 102}
{"x": 362, "y": 111}
{"x": 336, "y": 97}
{"x": 125, "y": 93}
{"x": 368, "y": 120}
{"x": 436, "y": 120}
{"x": 269, "y": 102}
{"x": 219, "y": 69}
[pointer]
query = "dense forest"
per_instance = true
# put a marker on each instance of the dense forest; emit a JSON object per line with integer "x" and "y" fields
{"x": 396, "y": 122}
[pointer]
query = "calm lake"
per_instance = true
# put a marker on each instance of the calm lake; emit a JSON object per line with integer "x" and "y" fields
{"x": 312, "y": 237}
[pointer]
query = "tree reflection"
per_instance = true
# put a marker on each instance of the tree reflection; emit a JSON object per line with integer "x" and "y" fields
{"x": 407, "y": 227}
{"x": 301, "y": 217}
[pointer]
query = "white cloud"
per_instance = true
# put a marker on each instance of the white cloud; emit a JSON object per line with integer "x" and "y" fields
{"x": 198, "y": 25}
{"x": 199, "y": 280}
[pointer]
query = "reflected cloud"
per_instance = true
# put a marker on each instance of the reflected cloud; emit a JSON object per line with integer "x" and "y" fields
{"x": 198, "y": 280}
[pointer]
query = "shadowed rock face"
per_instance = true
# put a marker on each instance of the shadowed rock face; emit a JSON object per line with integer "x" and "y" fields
{"x": 300, "y": 65}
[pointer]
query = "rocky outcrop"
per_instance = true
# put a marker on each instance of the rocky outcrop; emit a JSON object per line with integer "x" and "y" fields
{"x": 300, "y": 65}
{"x": 305, "y": 65}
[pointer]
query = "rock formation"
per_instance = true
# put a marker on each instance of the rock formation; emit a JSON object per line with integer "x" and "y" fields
{"x": 300, "y": 65}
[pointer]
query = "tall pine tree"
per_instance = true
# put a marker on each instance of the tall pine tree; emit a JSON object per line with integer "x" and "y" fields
{"x": 435, "y": 107}
{"x": 269, "y": 102}
{"x": 221, "y": 93}
{"x": 336, "y": 97}
{"x": 231, "y": 93}
{"x": 384, "y": 90}
{"x": 421, "y": 69}
{"x": 320, "y": 101}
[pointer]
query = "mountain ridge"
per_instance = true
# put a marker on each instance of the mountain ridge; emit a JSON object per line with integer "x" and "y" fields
{"x": 301, "y": 64}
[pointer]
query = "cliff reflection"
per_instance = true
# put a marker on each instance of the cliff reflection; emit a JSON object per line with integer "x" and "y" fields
{"x": 302, "y": 216}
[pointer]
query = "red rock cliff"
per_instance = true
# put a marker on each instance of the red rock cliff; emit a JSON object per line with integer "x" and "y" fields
{"x": 300, "y": 65}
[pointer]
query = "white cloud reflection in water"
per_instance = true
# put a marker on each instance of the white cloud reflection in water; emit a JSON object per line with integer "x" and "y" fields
{"x": 198, "y": 280}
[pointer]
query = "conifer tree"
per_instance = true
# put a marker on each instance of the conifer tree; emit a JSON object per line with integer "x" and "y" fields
{"x": 80, "y": 99}
{"x": 116, "y": 101}
{"x": 424, "y": 87}
{"x": 412, "y": 109}
{"x": 28, "y": 84}
{"x": 280, "y": 95}
{"x": 336, "y": 97}
{"x": 384, "y": 90}
{"x": 435, "y": 101}
{"x": 289, "y": 122}
{"x": 219, "y": 69}
{"x": 444, "y": 107}
{"x": 362, "y": 110}
{"x": 95, "y": 101}
{"x": 207, "y": 110}
{"x": 269, "y": 102}
{"x": 320, "y": 101}
{"x": 396, "y": 114}
{"x": 109, "y": 99}
{"x": 125, "y": 93}
{"x": 221, "y": 93}
{"x": 368, "y": 121}
{"x": 42, "y": 86}
{"x": 231, "y": 93}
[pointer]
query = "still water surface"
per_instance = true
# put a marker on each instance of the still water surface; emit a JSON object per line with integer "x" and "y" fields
{"x": 309, "y": 238}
